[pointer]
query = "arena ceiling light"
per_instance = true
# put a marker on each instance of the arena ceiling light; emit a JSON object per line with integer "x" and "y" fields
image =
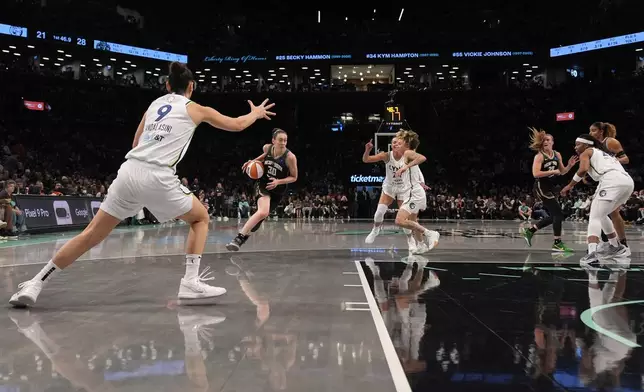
{"x": 82, "y": 65}
{"x": 238, "y": 76}
{"x": 377, "y": 75}
{"x": 318, "y": 74}
{"x": 119, "y": 73}
{"x": 270, "y": 79}
{"x": 213, "y": 76}
{"x": 270, "y": 70}
{"x": 441, "y": 78}
{"x": 156, "y": 74}
{"x": 402, "y": 10}
{"x": 248, "y": 75}
{"x": 402, "y": 81}
{"x": 305, "y": 67}
{"x": 30, "y": 46}
{"x": 528, "y": 70}
{"x": 60, "y": 59}
{"x": 445, "y": 65}
{"x": 233, "y": 69}
{"x": 526, "y": 65}
{"x": 407, "y": 69}
{"x": 515, "y": 72}
{"x": 45, "y": 58}
{"x": 285, "y": 76}
{"x": 454, "y": 67}
{"x": 16, "y": 54}
{"x": 157, "y": 69}
{"x": 422, "y": 66}
{"x": 339, "y": 67}
{"x": 11, "y": 47}
{"x": 207, "y": 69}
{"x": 133, "y": 65}
{"x": 128, "y": 61}
{"x": 198, "y": 72}
{"x": 281, "y": 81}
{"x": 60, "y": 51}
{"x": 362, "y": 79}
{"x": 344, "y": 80}
{"x": 95, "y": 60}
{"x": 406, "y": 72}
{"x": 42, "y": 65}
{"x": 273, "y": 75}
{"x": 213, "y": 82}
{"x": 282, "y": 68}
{"x": 439, "y": 73}
{"x": 148, "y": 72}
{"x": 57, "y": 64}
{"x": 535, "y": 66}
{"x": 316, "y": 70}
{"x": 124, "y": 68}
{"x": 68, "y": 55}
{"x": 452, "y": 72}
{"x": 5, "y": 51}
{"x": 99, "y": 65}
{"x": 410, "y": 76}
{"x": 112, "y": 59}
{"x": 639, "y": 49}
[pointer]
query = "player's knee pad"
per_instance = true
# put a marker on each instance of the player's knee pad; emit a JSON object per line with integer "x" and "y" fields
{"x": 379, "y": 216}
{"x": 407, "y": 231}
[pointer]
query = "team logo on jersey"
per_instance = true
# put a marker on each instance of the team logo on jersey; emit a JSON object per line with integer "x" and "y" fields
{"x": 602, "y": 193}
{"x": 412, "y": 205}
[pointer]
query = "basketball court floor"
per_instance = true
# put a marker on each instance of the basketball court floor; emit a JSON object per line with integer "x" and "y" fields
{"x": 311, "y": 308}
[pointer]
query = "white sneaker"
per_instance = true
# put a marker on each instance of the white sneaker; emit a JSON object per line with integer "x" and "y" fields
{"x": 431, "y": 239}
{"x": 219, "y": 219}
{"x": 603, "y": 247}
{"x": 196, "y": 288}
{"x": 27, "y": 295}
{"x": 196, "y": 321}
{"x": 225, "y": 219}
{"x": 372, "y": 236}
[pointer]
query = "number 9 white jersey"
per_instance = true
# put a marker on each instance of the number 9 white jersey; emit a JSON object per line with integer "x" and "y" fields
{"x": 167, "y": 132}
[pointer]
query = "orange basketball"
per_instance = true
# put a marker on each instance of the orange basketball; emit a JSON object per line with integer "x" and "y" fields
{"x": 255, "y": 170}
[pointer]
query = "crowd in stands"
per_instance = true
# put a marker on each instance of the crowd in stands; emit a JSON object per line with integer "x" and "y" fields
{"x": 479, "y": 166}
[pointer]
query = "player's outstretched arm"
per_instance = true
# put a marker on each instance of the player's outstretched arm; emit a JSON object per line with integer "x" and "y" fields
{"x": 209, "y": 115}
{"x": 380, "y": 157}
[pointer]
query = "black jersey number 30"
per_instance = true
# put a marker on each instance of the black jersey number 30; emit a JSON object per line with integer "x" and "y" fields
{"x": 272, "y": 171}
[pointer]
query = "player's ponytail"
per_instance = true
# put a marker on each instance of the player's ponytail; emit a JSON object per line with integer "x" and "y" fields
{"x": 179, "y": 77}
{"x": 537, "y": 138}
{"x": 609, "y": 130}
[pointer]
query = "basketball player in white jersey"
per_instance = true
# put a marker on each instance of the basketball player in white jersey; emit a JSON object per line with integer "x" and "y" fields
{"x": 614, "y": 189}
{"x": 393, "y": 188}
{"x": 423, "y": 240}
{"x": 606, "y": 133}
{"x": 147, "y": 179}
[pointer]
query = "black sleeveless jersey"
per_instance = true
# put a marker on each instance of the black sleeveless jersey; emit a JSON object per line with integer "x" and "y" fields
{"x": 546, "y": 185}
{"x": 275, "y": 167}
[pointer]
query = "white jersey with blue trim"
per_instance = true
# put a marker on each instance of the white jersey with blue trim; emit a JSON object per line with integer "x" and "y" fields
{"x": 167, "y": 132}
{"x": 417, "y": 177}
{"x": 601, "y": 164}
{"x": 399, "y": 184}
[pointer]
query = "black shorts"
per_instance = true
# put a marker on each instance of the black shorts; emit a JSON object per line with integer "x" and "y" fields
{"x": 276, "y": 197}
{"x": 544, "y": 192}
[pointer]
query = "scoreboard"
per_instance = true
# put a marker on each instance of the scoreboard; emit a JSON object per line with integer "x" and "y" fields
{"x": 394, "y": 114}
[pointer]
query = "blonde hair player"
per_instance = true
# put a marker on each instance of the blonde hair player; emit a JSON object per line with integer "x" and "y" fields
{"x": 606, "y": 133}
{"x": 148, "y": 178}
{"x": 615, "y": 187}
{"x": 419, "y": 239}
{"x": 546, "y": 166}
{"x": 393, "y": 187}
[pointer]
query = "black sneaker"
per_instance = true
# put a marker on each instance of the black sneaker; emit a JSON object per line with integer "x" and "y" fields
{"x": 8, "y": 235}
{"x": 237, "y": 242}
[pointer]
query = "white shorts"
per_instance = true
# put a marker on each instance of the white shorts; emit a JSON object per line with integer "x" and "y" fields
{"x": 617, "y": 192}
{"x": 140, "y": 184}
{"x": 395, "y": 192}
{"x": 416, "y": 203}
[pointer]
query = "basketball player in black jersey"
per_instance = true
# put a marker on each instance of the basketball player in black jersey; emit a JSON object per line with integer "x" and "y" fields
{"x": 546, "y": 166}
{"x": 605, "y": 133}
{"x": 280, "y": 166}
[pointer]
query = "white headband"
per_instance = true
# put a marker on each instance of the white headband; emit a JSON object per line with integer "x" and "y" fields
{"x": 585, "y": 141}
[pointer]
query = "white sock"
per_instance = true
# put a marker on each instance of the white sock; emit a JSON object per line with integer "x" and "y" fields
{"x": 592, "y": 247}
{"x": 613, "y": 241}
{"x": 47, "y": 272}
{"x": 192, "y": 266}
